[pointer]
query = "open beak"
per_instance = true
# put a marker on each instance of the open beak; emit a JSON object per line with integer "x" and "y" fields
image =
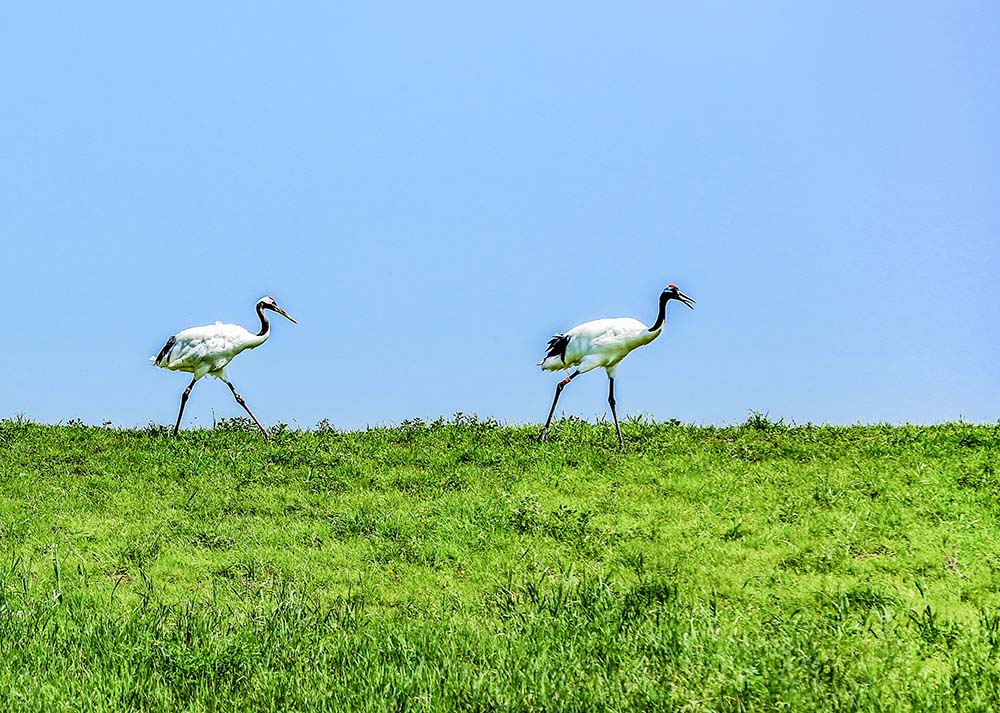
{"x": 685, "y": 299}
{"x": 284, "y": 314}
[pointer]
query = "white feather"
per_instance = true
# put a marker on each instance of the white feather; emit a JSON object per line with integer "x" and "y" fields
{"x": 208, "y": 349}
{"x": 602, "y": 342}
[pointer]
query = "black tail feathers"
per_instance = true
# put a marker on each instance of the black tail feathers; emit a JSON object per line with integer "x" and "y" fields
{"x": 557, "y": 347}
{"x": 163, "y": 352}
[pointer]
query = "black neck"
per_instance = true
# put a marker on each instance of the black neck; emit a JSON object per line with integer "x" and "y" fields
{"x": 662, "y": 314}
{"x": 264, "y": 324}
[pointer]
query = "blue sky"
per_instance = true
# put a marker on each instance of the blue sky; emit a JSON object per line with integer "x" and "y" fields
{"x": 433, "y": 189}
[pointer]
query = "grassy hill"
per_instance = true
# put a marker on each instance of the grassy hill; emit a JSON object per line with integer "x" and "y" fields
{"x": 463, "y": 564}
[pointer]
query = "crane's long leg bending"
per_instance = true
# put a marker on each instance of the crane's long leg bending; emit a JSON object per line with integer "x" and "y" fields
{"x": 184, "y": 398}
{"x": 559, "y": 388}
{"x": 241, "y": 402}
{"x": 611, "y": 402}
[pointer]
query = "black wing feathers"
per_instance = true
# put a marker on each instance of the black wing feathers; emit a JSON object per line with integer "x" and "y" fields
{"x": 557, "y": 347}
{"x": 163, "y": 352}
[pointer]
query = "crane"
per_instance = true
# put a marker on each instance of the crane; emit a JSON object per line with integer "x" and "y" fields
{"x": 603, "y": 343}
{"x": 209, "y": 349}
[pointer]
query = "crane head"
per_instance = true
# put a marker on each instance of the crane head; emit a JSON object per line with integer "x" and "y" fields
{"x": 670, "y": 292}
{"x": 270, "y": 303}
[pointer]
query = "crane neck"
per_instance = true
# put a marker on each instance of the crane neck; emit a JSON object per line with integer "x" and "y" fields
{"x": 265, "y": 325}
{"x": 661, "y": 316}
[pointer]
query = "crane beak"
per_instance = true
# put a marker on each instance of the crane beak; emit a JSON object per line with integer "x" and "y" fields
{"x": 684, "y": 299}
{"x": 284, "y": 314}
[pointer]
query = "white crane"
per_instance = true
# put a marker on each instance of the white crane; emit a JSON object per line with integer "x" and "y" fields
{"x": 603, "y": 342}
{"x": 208, "y": 349}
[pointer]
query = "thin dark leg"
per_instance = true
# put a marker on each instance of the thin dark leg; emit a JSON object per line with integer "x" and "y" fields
{"x": 559, "y": 388}
{"x": 184, "y": 398}
{"x": 241, "y": 402}
{"x": 611, "y": 400}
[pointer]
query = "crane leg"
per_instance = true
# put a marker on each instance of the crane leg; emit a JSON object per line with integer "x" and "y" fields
{"x": 611, "y": 402}
{"x": 559, "y": 388}
{"x": 241, "y": 402}
{"x": 184, "y": 398}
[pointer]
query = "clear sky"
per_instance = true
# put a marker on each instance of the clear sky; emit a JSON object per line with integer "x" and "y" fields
{"x": 432, "y": 189}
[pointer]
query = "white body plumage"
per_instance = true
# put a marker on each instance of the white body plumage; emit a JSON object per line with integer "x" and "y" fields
{"x": 207, "y": 350}
{"x": 602, "y": 342}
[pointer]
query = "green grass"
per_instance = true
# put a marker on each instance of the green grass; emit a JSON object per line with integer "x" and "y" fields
{"x": 464, "y": 565}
